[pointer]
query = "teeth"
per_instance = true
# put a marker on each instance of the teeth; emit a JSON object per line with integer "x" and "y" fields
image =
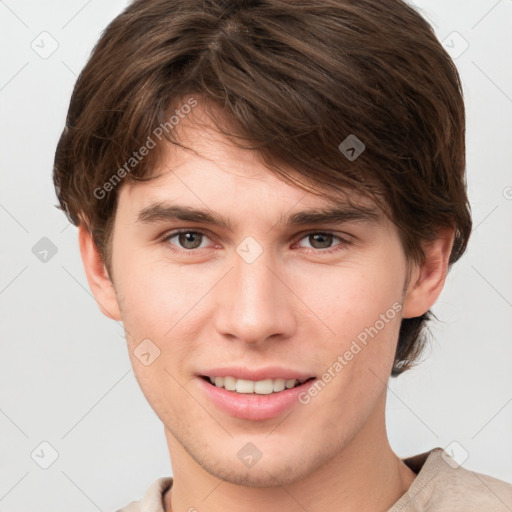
{"x": 230, "y": 383}
{"x": 264, "y": 387}
{"x": 260, "y": 387}
{"x": 244, "y": 386}
{"x": 290, "y": 383}
{"x": 279, "y": 385}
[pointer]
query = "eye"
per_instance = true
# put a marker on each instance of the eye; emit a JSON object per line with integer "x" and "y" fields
{"x": 187, "y": 239}
{"x": 323, "y": 240}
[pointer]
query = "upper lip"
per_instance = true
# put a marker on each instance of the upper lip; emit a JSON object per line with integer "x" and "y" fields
{"x": 256, "y": 374}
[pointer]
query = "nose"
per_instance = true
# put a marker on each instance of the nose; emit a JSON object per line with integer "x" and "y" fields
{"x": 255, "y": 303}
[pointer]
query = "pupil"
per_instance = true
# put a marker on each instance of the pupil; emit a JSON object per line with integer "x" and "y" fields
{"x": 186, "y": 240}
{"x": 327, "y": 239}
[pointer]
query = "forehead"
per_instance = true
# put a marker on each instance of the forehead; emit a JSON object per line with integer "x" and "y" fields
{"x": 206, "y": 170}
{"x": 208, "y": 186}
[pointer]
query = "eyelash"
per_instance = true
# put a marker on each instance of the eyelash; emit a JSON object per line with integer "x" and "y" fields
{"x": 343, "y": 242}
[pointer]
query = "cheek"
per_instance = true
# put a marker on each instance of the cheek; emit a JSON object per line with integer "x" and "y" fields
{"x": 352, "y": 298}
{"x": 162, "y": 304}
{"x": 152, "y": 298}
{"x": 156, "y": 310}
{"x": 361, "y": 306}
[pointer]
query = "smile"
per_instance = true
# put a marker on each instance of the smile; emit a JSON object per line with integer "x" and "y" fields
{"x": 254, "y": 400}
{"x": 260, "y": 387}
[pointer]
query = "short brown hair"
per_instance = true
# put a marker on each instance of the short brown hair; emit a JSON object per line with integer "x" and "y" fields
{"x": 295, "y": 79}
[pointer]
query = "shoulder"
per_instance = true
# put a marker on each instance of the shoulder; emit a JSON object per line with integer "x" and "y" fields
{"x": 470, "y": 490}
{"x": 443, "y": 485}
{"x": 152, "y": 500}
{"x": 134, "y": 506}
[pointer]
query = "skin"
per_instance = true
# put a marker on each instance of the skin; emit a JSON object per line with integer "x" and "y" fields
{"x": 295, "y": 306}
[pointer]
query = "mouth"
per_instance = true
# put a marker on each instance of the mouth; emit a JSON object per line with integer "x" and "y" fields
{"x": 260, "y": 387}
{"x": 252, "y": 393}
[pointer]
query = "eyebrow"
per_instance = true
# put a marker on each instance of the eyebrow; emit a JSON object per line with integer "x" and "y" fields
{"x": 158, "y": 212}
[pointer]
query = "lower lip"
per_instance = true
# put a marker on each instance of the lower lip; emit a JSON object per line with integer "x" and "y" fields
{"x": 251, "y": 406}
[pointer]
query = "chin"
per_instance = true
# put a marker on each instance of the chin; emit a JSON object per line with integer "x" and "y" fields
{"x": 268, "y": 472}
{"x": 257, "y": 477}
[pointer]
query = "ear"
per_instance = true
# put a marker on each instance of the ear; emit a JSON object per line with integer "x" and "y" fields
{"x": 428, "y": 278}
{"x": 99, "y": 281}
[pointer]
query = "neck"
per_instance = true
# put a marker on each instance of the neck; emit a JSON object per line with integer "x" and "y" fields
{"x": 365, "y": 476}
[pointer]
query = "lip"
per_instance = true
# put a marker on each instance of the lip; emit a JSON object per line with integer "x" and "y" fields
{"x": 269, "y": 372}
{"x": 253, "y": 407}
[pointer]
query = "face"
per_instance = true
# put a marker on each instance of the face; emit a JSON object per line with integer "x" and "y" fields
{"x": 269, "y": 296}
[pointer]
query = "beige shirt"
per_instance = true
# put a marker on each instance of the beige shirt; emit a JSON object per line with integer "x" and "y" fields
{"x": 440, "y": 486}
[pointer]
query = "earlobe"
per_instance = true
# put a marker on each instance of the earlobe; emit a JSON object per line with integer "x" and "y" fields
{"x": 99, "y": 281}
{"x": 428, "y": 278}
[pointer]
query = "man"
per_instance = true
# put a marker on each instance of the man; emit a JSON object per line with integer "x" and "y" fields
{"x": 269, "y": 196}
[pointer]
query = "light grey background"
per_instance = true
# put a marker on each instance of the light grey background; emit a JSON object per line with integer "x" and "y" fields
{"x": 65, "y": 374}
